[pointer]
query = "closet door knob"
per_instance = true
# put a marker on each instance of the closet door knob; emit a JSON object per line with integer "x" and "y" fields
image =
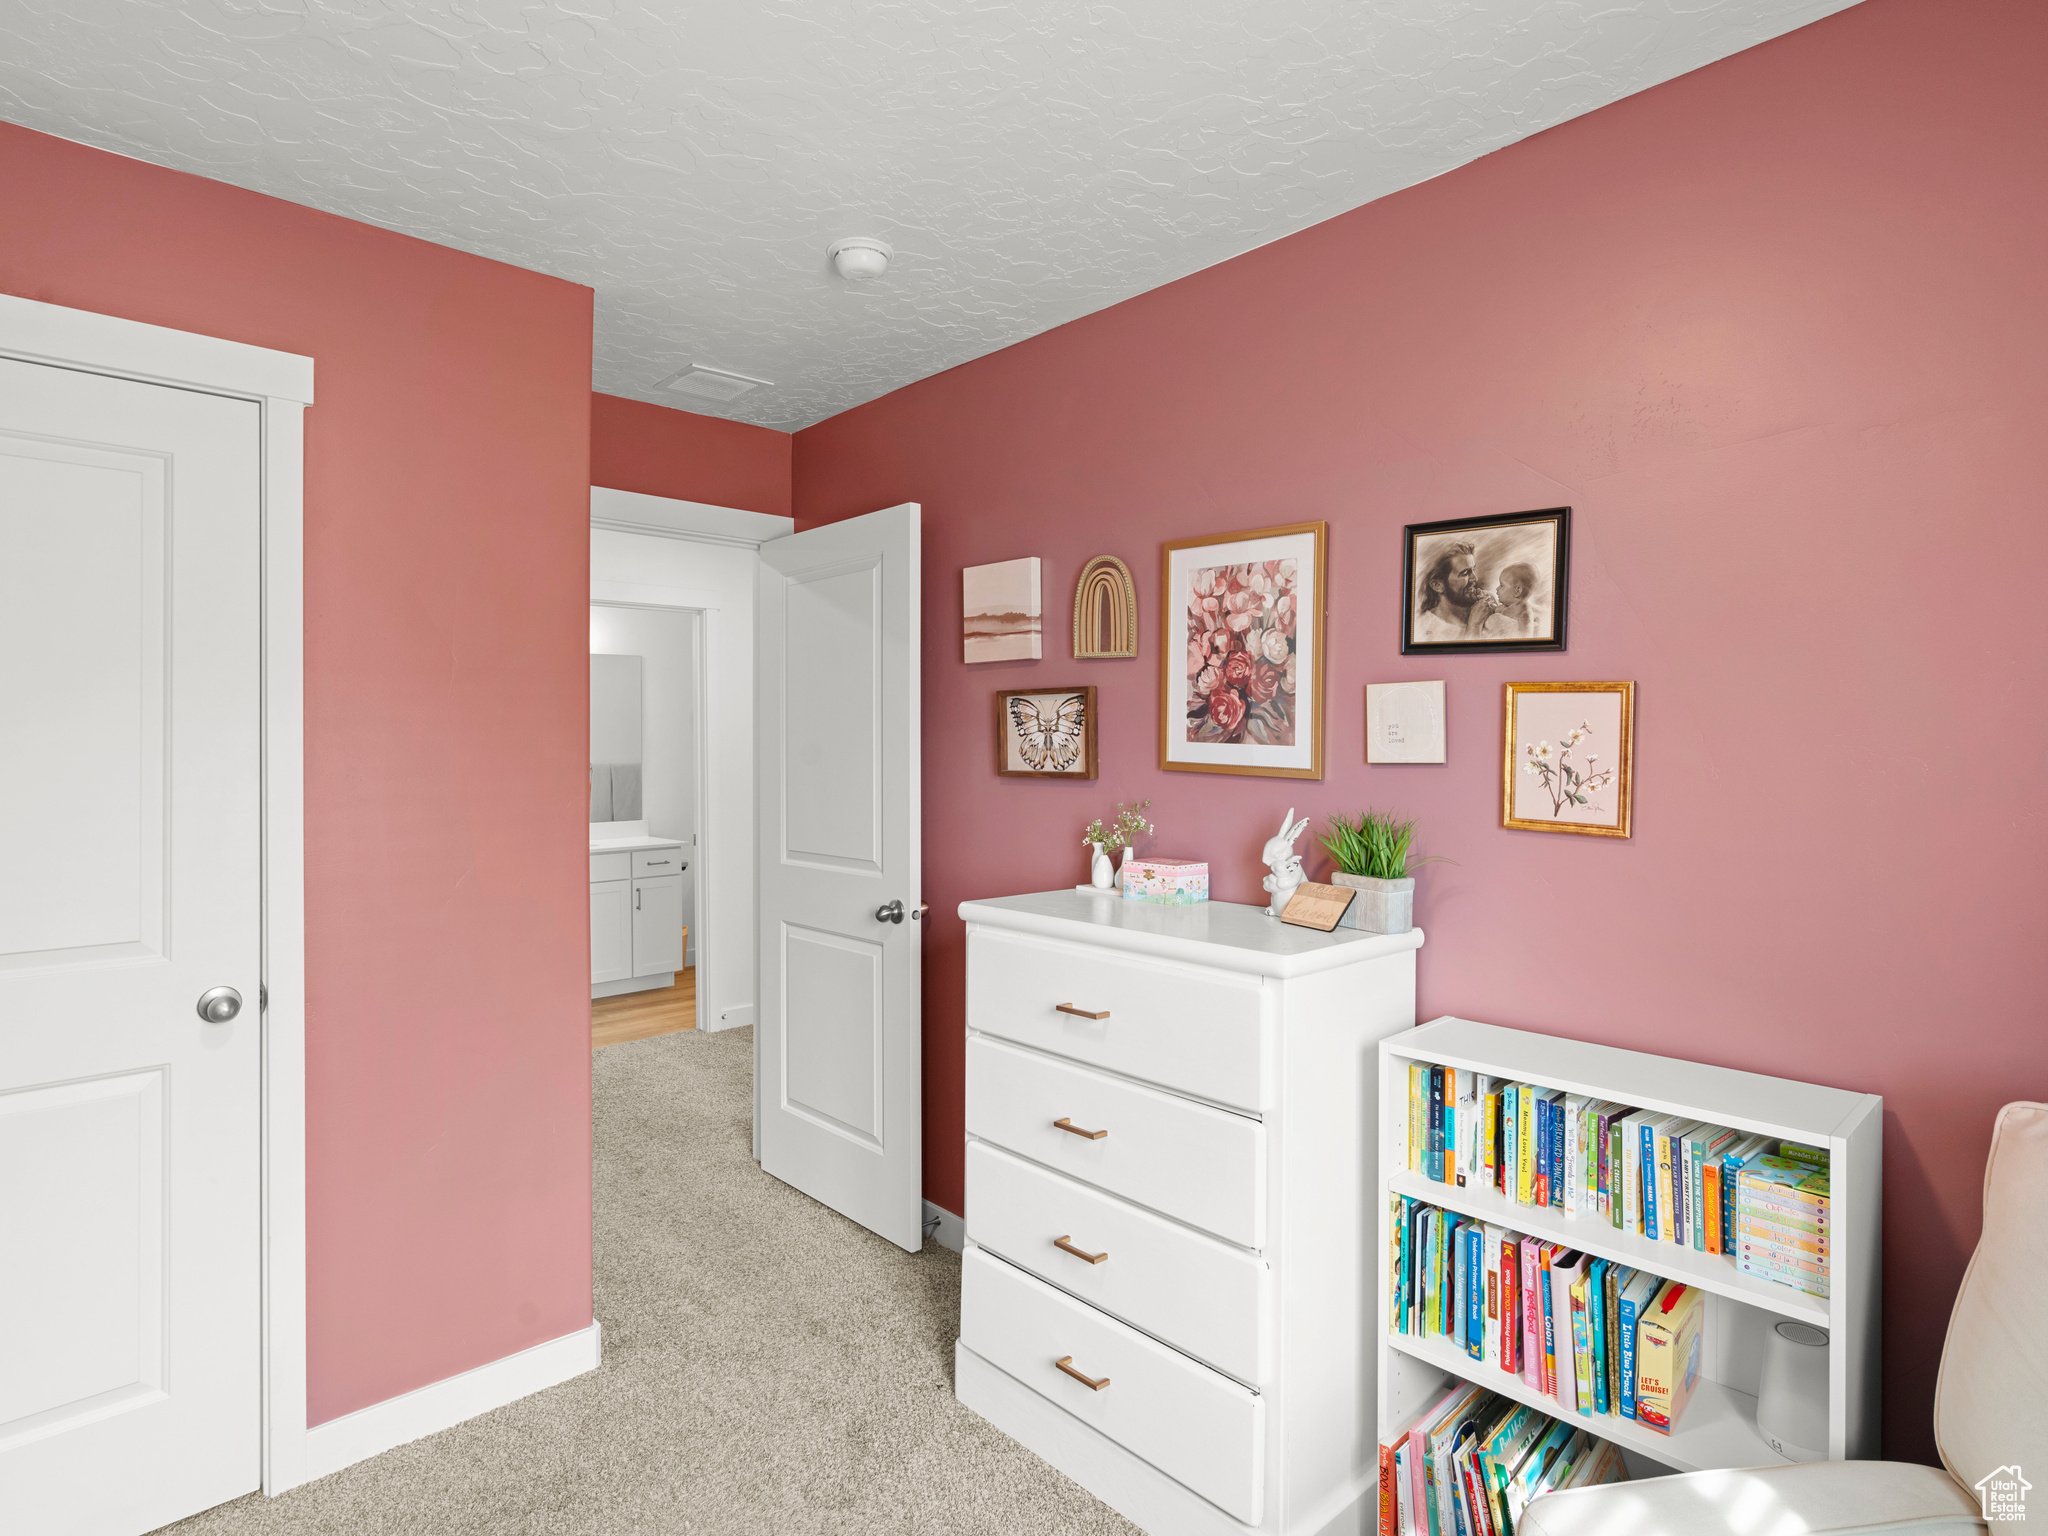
{"x": 219, "y": 1005}
{"x": 892, "y": 913}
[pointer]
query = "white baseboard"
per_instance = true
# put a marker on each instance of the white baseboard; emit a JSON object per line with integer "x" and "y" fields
{"x": 951, "y": 1231}
{"x": 738, "y": 1017}
{"x": 373, "y": 1430}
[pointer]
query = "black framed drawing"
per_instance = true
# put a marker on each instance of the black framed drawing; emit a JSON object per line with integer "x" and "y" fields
{"x": 1486, "y": 584}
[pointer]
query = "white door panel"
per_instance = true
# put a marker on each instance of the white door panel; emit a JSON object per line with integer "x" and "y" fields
{"x": 839, "y": 1052}
{"x": 129, "y": 885}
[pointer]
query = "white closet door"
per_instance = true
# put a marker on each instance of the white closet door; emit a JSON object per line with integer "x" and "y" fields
{"x": 129, "y": 886}
{"x": 840, "y": 1053}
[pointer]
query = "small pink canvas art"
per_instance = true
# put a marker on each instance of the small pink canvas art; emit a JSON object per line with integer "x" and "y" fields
{"x": 1568, "y": 759}
{"x": 999, "y": 611}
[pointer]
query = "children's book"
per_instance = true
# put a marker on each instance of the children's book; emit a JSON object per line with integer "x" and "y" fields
{"x": 1393, "y": 1463}
{"x": 1501, "y": 1450}
{"x": 1565, "y": 1269}
{"x": 1574, "y": 1151}
{"x": 1418, "y": 1116}
{"x": 1671, "y": 1181}
{"x": 1557, "y": 1168}
{"x": 1638, "y": 1293}
{"x": 1476, "y": 1247}
{"x": 1419, "y": 1438}
{"x": 1546, "y": 1254}
{"x": 1510, "y": 1141}
{"x": 1491, "y": 1239}
{"x": 1531, "y": 1348}
{"x": 1596, "y": 1325}
{"x": 1616, "y": 1276}
{"x": 1528, "y": 1478}
{"x": 1633, "y": 1141}
{"x": 1703, "y": 1153}
{"x": 1582, "y": 1338}
{"x": 1510, "y": 1302}
{"x": 1525, "y": 1145}
{"x": 1733, "y": 1161}
{"x": 1668, "y": 1349}
{"x": 1656, "y": 1155}
{"x": 1465, "y": 1168}
{"x": 1436, "y": 1123}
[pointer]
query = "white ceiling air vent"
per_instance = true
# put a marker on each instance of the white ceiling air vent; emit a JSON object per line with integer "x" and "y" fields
{"x": 712, "y": 383}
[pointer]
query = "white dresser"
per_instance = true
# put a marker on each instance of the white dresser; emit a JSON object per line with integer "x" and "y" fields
{"x": 1167, "y": 1290}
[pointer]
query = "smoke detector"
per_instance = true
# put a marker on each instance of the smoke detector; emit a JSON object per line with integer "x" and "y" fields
{"x": 711, "y": 383}
{"x": 860, "y": 257}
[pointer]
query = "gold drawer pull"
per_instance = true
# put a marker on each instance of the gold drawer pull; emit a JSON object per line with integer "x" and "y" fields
{"x": 1067, "y": 1244}
{"x": 1079, "y": 1013}
{"x": 1066, "y": 1363}
{"x": 1066, "y": 1123}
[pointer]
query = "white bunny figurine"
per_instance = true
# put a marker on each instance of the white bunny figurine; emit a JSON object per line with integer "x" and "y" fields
{"x": 1285, "y": 863}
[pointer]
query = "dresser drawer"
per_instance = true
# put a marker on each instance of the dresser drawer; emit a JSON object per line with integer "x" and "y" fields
{"x": 1175, "y": 1284}
{"x": 1192, "y": 1424}
{"x": 610, "y": 866}
{"x": 1205, "y": 1166}
{"x": 657, "y": 861}
{"x": 1190, "y": 1029}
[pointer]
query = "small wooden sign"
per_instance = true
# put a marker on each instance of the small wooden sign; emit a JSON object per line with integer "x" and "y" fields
{"x": 1317, "y": 906}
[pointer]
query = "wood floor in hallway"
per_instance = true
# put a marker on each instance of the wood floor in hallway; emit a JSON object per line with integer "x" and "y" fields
{"x": 642, "y": 1015}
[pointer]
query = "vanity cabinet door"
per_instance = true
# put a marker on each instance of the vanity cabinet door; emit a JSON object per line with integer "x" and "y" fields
{"x": 657, "y": 925}
{"x": 611, "y": 930}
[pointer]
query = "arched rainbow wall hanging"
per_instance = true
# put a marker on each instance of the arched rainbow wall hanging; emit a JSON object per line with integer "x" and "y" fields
{"x": 1105, "y": 611}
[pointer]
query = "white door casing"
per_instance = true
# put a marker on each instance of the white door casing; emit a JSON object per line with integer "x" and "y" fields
{"x": 838, "y": 1049}
{"x": 130, "y": 884}
{"x": 278, "y": 386}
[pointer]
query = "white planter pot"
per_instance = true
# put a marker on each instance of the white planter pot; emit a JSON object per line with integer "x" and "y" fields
{"x": 1381, "y": 906}
{"x": 1101, "y": 873}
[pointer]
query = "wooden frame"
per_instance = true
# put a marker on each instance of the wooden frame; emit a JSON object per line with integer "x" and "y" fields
{"x": 1105, "y": 611}
{"x": 1006, "y": 734}
{"x": 1491, "y": 559}
{"x": 1569, "y": 779}
{"x": 1176, "y": 752}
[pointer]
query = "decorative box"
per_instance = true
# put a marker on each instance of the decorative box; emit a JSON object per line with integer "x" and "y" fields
{"x": 1167, "y": 882}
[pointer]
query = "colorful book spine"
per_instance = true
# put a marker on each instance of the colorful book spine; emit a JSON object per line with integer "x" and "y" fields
{"x": 1531, "y": 1348}
{"x": 1613, "y": 1280}
{"x": 1510, "y": 1303}
{"x": 1557, "y": 1168}
{"x": 1525, "y": 1151}
{"x": 1475, "y": 1290}
{"x": 1541, "y": 1192}
{"x": 1436, "y": 1124}
{"x": 1544, "y": 1254}
{"x": 1582, "y": 1343}
{"x": 1510, "y": 1123}
{"x": 1574, "y": 1159}
{"x": 1596, "y": 1325}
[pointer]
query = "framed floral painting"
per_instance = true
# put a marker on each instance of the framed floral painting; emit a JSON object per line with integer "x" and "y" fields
{"x": 1242, "y": 653}
{"x": 1568, "y": 759}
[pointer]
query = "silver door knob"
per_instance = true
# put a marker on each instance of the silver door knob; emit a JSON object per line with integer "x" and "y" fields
{"x": 892, "y": 913}
{"x": 220, "y": 1005}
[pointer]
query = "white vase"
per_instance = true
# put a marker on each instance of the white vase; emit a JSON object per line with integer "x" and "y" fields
{"x": 1381, "y": 906}
{"x": 1123, "y": 861}
{"x": 1101, "y": 873}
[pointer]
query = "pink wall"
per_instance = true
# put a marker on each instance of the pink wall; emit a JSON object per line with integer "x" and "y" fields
{"x": 658, "y": 451}
{"x": 1773, "y": 330}
{"x": 447, "y": 590}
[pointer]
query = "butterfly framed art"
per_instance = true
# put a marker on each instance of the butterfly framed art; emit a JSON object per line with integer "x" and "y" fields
{"x": 1045, "y": 733}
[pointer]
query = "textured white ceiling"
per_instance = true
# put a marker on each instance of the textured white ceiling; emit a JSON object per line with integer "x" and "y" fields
{"x": 1030, "y": 160}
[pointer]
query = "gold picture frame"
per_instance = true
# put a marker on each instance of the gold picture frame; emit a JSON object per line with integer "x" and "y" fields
{"x": 1542, "y": 757}
{"x": 1273, "y": 642}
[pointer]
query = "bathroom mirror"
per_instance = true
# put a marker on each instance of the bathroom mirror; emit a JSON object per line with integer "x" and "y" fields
{"x": 615, "y": 738}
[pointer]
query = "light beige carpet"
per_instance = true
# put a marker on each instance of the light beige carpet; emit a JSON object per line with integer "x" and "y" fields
{"x": 768, "y": 1366}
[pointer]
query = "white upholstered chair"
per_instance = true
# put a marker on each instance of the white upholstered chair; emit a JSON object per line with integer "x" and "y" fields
{"x": 1990, "y": 1406}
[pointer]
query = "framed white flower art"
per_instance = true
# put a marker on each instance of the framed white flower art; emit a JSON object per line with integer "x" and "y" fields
{"x": 1241, "y": 656}
{"x": 1568, "y": 758}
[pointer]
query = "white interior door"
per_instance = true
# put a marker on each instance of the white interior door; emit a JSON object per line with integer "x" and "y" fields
{"x": 839, "y": 1085}
{"x": 130, "y": 1337}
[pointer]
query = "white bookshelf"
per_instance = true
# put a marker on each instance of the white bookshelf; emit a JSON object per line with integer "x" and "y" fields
{"x": 1718, "y": 1427}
